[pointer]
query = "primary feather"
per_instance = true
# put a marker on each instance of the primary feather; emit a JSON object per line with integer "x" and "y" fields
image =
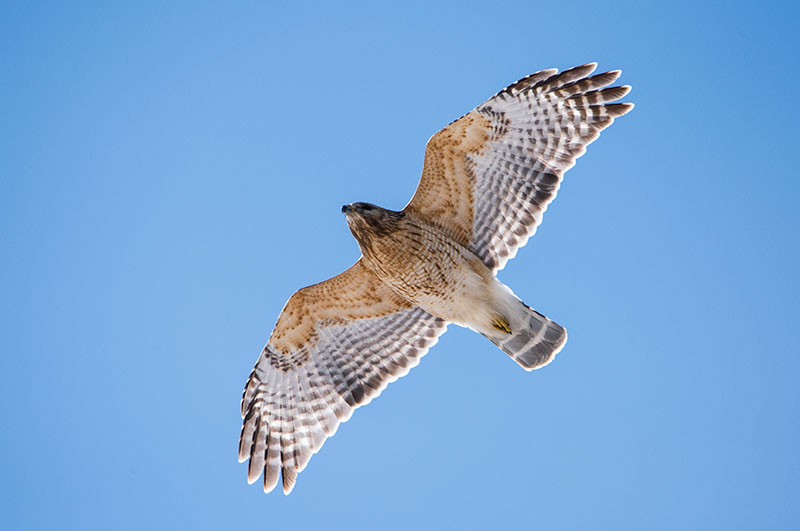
{"x": 487, "y": 180}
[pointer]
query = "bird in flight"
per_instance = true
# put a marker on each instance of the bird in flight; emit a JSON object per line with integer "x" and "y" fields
{"x": 487, "y": 179}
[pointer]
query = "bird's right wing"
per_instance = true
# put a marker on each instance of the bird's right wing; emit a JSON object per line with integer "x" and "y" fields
{"x": 336, "y": 346}
{"x": 490, "y": 175}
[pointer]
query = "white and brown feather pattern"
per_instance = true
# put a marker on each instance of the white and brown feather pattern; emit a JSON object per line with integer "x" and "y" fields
{"x": 290, "y": 409}
{"x": 511, "y": 154}
{"x": 487, "y": 180}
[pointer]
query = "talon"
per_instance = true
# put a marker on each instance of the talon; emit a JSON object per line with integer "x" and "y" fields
{"x": 501, "y": 323}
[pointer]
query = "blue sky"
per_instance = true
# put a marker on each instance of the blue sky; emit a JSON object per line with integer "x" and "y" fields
{"x": 171, "y": 173}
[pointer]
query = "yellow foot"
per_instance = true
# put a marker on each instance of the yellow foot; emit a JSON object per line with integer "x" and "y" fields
{"x": 501, "y": 323}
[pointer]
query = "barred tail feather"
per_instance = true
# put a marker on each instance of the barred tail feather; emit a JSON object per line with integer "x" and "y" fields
{"x": 534, "y": 346}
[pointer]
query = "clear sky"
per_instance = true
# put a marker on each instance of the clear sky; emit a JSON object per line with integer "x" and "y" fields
{"x": 172, "y": 172}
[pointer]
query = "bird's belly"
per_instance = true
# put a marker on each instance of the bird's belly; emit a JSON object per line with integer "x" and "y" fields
{"x": 463, "y": 303}
{"x": 451, "y": 284}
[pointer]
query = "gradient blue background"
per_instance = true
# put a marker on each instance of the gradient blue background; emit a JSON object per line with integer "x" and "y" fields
{"x": 172, "y": 173}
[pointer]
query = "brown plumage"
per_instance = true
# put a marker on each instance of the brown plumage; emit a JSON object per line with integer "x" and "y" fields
{"x": 487, "y": 179}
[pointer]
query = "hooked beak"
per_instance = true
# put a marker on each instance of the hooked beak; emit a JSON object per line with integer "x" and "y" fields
{"x": 346, "y": 209}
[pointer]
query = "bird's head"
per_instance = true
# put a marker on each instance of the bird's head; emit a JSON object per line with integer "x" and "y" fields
{"x": 367, "y": 220}
{"x": 361, "y": 209}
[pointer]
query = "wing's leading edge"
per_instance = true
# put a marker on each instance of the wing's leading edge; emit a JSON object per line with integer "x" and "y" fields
{"x": 489, "y": 176}
{"x": 336, "y": 346}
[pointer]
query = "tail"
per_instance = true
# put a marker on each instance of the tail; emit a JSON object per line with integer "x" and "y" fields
{"x": 534, "y": 343}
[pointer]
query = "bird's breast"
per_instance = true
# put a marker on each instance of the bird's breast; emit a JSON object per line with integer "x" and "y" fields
{"x": 428, "y": 268}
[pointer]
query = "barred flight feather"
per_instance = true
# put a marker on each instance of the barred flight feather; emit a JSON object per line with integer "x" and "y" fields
{"x": 289, "y": 411}
{"x": 537, "y": 128}
{"x": 487, "y": 181}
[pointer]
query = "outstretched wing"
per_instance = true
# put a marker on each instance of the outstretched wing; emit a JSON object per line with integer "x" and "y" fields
{"x": 489, "y": 176}
{"x": 335, "y": 347}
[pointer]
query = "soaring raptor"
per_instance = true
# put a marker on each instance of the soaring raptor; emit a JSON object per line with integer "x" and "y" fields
{"x": 487, "y": 180}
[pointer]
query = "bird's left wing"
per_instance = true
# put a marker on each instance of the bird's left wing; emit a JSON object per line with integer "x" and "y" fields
{"x": 490, "y": 175}
{"x": 336, "y": 346}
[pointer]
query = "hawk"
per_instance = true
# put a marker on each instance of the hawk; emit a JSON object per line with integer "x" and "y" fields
{"x": 487, "y": 179}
